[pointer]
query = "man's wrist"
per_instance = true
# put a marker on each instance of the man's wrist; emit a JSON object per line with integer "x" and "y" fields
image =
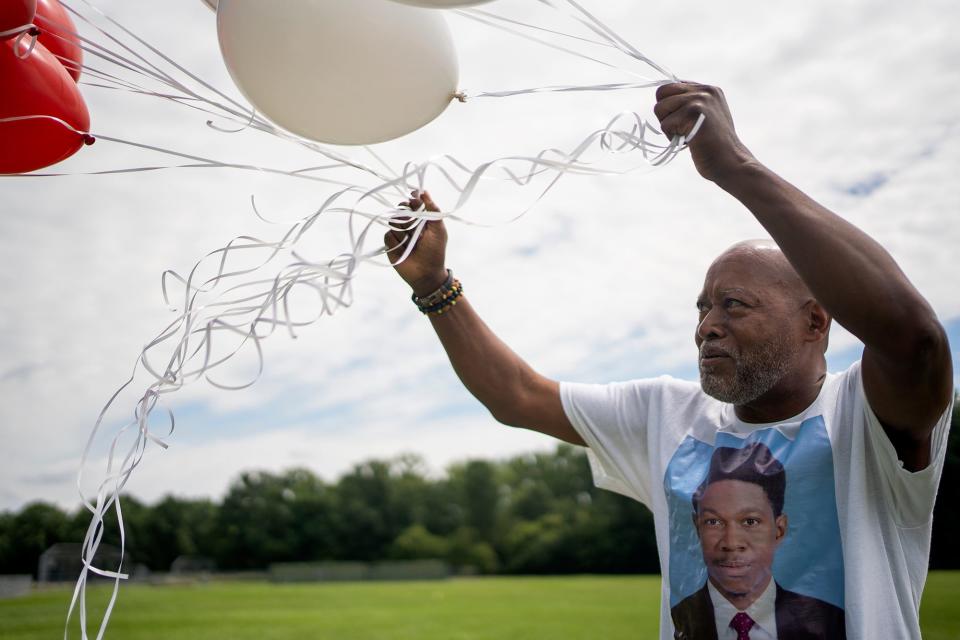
{"x": 739, "y": 175}
{"x": 426, "y": 285}
{"x": 442, "y": 299}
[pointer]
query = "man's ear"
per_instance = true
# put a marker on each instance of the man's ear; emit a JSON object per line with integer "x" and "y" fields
{"x": 817, "y": 322}
{"x": 781, "y": 524}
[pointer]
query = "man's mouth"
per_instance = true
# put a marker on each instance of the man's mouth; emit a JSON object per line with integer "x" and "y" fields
{"x": 712, "y": 355}
{"x": 733, "y": 568}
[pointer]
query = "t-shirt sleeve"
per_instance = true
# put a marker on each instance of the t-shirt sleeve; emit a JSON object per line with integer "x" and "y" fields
{"x": 912, "y": 493}
{"x": 612, "y": 419}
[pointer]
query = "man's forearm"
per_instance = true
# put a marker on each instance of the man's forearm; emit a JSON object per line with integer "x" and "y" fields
{"x": 849, "y": 273}
{"x": 502, "y": 381}
{"x": 488, "y": 368}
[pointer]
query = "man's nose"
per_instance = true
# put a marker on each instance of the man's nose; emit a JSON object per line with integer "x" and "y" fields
{"x": 732, "y": 540}
{"x": 711, "y": 325}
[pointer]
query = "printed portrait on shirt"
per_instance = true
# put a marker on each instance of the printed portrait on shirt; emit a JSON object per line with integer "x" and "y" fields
{"x": 755, "y": 540}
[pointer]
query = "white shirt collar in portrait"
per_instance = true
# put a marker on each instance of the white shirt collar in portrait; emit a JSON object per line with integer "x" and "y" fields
{"x": 763, "y": 611}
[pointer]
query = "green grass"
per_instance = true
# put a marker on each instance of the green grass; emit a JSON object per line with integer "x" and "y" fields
{"x": 483, "y": 608}
{"x": 940, "y": 607}
{"x": 567, "y": 608}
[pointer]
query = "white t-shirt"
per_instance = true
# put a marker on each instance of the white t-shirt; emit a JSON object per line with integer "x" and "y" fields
{"x": 858, "y": 537}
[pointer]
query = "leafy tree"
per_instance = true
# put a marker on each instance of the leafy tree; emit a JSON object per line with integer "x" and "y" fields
{"x": 467, "y": 550}
{"x": 416, "y": 543}
{"x": 615, "y": 534}
{"x": 31, "y": 532}
{"x": 540, "y": 546}
{"x": 175, "y": 527}
{"x": 313, "y": 511}
{"x": 531, "y": 500}
{"x": 440, "y": 508}
{"x": 944, "y": 553}
{"x": 257, "y": 522}
{"x": 6, "y": 542}
{"x": 369, "y": 517}
{"x": 475, "y": 485}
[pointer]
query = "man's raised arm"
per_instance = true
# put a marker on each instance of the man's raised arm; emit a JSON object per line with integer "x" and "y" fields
{"x": 907, "y": 370}
{"x": 507, "y": 386}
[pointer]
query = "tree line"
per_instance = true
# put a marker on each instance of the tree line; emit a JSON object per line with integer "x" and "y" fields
{"x": 532, "y": 514}
{"x": 537, "y": 513}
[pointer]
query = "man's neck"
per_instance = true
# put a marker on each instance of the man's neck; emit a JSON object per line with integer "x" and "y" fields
{"x": 742, "y": 601}
{"x": 791, "y": 396}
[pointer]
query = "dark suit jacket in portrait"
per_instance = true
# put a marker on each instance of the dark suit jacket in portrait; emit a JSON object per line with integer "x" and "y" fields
{"x": 799, "y": 617}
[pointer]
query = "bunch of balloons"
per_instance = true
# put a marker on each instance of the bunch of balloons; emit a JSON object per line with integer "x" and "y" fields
{"x": 350, "y": 73}
{"x": 43, "y": 117}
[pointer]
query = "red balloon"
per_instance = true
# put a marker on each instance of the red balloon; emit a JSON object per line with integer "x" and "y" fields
{"x": 15, "y": 13}
{"x": 38, "y": 85}
{"x": 58, "y": 35}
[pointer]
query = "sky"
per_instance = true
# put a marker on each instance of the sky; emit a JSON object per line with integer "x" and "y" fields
{"x": 855, "y": 102}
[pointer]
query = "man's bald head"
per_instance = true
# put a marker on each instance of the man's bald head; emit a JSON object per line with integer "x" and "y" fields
{"x": 765, "y": 259}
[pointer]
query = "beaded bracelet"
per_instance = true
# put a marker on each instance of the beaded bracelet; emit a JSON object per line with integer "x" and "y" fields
{"x": 441, "y": 300}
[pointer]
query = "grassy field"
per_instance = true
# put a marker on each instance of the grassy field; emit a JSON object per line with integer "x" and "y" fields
{"x": 613, "y": 608}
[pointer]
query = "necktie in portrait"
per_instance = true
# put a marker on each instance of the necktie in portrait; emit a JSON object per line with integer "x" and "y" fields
{"x": 742, "y": 623}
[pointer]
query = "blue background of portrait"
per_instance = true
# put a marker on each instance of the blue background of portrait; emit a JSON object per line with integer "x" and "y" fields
{"x": 809, "y": 560}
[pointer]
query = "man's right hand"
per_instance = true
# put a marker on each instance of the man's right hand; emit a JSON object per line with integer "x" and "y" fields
{"x": 424, "y": 269}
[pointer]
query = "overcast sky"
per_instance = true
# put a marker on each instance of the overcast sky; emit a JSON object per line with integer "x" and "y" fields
{"x": 855, "y": 102}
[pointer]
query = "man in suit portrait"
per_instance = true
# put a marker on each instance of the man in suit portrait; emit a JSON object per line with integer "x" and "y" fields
{"x": 739, "y": 518}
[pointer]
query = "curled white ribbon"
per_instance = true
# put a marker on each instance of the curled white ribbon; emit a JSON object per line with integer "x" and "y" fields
{"x": 237, "y": 305}
{"x": 28, "y": 30}
{"x": 17, "y": 30}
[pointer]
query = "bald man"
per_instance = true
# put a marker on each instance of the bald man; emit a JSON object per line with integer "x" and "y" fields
{"x": 864, "y": 447}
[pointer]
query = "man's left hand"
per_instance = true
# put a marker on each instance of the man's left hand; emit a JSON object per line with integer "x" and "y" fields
{"x": 716, "y": 150}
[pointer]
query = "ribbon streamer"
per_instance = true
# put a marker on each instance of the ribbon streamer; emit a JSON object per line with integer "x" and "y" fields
{"x": 22, "y": 32}
{"x": 237, "y": 296}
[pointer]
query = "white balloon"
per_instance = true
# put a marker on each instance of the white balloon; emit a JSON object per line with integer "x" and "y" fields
{"x": 340, "y": 71}
{"x": 443, "y": 4}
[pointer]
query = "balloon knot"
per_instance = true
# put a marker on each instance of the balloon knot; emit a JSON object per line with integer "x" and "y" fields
{"x": 34, "y": 31}
{"x": 460, "y": 96}
{"x": 88, "y": 139}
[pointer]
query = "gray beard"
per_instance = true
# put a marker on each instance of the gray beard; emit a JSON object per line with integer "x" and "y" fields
{"x": 757, "y": 372}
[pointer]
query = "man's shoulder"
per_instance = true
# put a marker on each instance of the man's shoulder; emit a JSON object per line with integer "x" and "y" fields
{"x": 844, "y": 381}
{"x": 669, "y": 389}
{"x": 658, "y": 382}
{"x": 693, "y": 617}
{"x": 794, "y": 599}
{"x": 802, "y": 616}
{"x": 640, "y": 392}
{"x": 696, "y": 600}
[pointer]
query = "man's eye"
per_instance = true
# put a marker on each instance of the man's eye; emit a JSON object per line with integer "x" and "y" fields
{"x": 729, "y": 303}
{"x": 751, "y": 522}
{"x": 713, "y": 522}
{"x": 703, "y": 307}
